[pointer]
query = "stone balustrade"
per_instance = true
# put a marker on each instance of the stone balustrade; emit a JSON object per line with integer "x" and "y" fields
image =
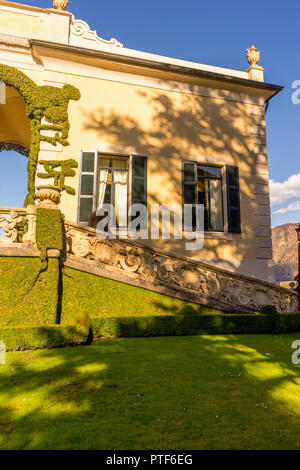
{"x": 130, "y": 262}
{"x": 17, "y": 225}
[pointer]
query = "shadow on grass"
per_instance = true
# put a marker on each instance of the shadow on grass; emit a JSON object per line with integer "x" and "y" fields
{"x": 205, "y": 392}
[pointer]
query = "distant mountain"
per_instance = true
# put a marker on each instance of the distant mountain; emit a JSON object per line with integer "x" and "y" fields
{"x": 285, "y": 252}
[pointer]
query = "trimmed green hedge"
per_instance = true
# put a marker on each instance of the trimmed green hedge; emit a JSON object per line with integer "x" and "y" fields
{"x": 21, "y": 338}
{"x": 28, "y": 297}
{"x": 49, "y": 230}
{"x": 176, "y": 325}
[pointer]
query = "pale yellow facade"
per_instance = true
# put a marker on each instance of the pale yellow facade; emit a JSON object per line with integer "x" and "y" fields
{"x": 134, "y": 103}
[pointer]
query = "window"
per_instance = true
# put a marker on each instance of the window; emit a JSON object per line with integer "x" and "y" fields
{"x": 113, "y": 186}
{"x": 209, "y": 193}
{"x": 104, "y": 179}
{"x": 203, "y": 185}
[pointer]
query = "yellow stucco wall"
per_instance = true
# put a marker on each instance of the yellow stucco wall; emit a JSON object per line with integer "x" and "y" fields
{"x": 167, "y": 127}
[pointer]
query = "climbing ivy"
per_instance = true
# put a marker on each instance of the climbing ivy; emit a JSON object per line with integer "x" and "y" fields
{"x": 59, "y": 176}
{"x": 41, "y": 102}
{"x": 49, "y": 231}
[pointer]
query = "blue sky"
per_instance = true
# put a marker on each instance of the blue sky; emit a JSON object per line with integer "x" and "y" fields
{"x": 215, "y": 33}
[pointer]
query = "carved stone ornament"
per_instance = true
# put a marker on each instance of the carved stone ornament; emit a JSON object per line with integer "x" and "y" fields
{"x": 204, "y": 283}
{"x": 48, "y": 196}
{"x": 8, "y": 224}
{"x": 18, "y": 225}
{"x": 60, "y": 4}
{"x": 80, "y": 29}
{"x": 253, "y": 55}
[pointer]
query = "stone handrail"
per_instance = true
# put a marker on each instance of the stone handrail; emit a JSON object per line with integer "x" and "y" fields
{"x": 181, "y": 276}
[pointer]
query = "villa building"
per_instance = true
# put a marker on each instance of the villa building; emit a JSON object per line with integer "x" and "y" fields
{"x": 141, "y": 128}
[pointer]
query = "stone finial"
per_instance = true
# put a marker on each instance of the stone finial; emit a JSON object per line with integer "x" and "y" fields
{"x": 60, "y": 4}
{"x": 253, "y": 55}
{"x": 255, "y": 71}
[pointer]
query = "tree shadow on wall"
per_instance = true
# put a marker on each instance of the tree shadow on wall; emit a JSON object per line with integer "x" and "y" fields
{"x": 170, "y": 131}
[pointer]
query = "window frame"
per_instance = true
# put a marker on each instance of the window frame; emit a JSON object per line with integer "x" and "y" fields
{"x": 128, "y": 170}
{"x": 220, "y": 178}
{"x": 222, "y": 167}
{"x": 101, "y": 154}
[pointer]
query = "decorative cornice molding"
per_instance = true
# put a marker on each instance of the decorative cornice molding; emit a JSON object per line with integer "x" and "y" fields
{"x": 15, "y": 41}
{"x": 80, "y": 28}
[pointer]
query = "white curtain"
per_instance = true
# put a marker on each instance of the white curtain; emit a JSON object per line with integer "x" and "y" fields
{"x": 216, "y": 212}
{"x": 120, "y": 191}
{"x": 103, "y": 177}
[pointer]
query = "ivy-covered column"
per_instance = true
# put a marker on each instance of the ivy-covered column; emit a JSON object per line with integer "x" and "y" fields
{"x": 50, "y": 241}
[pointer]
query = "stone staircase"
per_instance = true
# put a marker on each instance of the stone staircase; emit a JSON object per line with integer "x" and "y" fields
{"x": 132, "y": 263}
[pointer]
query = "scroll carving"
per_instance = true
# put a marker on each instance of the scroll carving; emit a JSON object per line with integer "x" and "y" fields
{"x": 9, "y": 224}
{"x": 217, "y": 286}
{"x": 81, "y": 29}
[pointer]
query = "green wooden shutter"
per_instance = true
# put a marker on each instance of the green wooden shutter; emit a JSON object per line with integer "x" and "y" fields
{"x": 139, "y": 180}
{"x": 87, "y": 186}
{"x": 189, "y": 188}
{"x": 233, "y": 199}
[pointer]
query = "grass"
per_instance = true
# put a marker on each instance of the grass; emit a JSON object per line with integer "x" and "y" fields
{"x": 203, "y": 392}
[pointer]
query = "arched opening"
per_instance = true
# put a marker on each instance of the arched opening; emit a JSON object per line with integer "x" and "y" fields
{"x": 14, "y": 149}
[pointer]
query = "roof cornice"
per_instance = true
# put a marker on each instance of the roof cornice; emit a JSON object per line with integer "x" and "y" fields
{"x": 160, "y": 66}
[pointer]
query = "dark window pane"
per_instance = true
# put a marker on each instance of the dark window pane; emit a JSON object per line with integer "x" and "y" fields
{"x": 140, "y": 167}
{"x": 88, "y": 160}
{"x": 107, "y": 196}
{"x": 86, "y": 208}
{"x": 189, "y": 194}
{"x": 139, "y": 190}
{"x": 232, "y": 176}
{"x": 87, "y": 185}
{"x": 189, "y": 172}
{"x": 209, "y": 171}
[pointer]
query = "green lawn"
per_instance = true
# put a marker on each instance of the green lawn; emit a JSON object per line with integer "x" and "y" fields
{"x": 202, "y": 392}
